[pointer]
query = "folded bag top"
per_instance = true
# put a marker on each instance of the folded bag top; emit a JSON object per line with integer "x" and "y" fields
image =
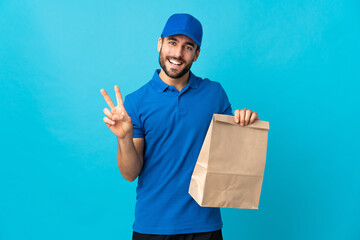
{"x": 230, "y": 119}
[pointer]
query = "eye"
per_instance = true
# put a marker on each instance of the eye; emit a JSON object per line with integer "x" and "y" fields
{"x": 172, "y": 43}
{"x": 188, "y": 48}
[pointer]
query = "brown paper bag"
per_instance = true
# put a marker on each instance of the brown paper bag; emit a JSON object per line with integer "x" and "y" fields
{"x": 230, "y": 167}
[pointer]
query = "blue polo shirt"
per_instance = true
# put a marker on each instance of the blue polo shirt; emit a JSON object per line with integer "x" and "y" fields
{"x": 174, "y": 125}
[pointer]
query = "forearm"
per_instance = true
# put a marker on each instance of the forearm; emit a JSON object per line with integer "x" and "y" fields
{"x": 129, "y": 162}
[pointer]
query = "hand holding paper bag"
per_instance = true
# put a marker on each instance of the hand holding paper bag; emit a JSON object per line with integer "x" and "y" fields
{"x": 230, "y": 167}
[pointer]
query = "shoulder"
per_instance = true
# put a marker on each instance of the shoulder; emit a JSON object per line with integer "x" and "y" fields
{"x": 206, "y": 83}
{"x": 211, "y": 87}
{"x": 138, "y": 94}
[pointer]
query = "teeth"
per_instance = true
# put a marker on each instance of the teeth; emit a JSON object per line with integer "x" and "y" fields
{"x": 173, "y": 62}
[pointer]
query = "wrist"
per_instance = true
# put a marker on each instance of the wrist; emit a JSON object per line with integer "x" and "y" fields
{"x": 126, "y": 138}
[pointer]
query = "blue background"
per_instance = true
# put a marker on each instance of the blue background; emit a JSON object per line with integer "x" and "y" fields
{"x": 294, "y": 62}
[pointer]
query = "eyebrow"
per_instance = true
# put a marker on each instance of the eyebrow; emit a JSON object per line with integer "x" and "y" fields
{"x": 174, "y": 39}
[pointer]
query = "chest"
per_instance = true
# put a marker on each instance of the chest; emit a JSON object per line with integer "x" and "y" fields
{"x": 170, "y": 112}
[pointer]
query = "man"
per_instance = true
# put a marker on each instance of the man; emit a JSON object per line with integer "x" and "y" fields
{"x": 160, "y": 131}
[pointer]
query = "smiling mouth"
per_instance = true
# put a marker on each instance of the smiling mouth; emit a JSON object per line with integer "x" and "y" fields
{"x": 175, "y": 62}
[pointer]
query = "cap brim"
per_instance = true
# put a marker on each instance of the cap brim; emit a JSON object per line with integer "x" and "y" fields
{"x": 181, "y": 32}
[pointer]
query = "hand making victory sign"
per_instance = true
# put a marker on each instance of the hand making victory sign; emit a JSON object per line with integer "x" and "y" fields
{"x": 118, "y": 120}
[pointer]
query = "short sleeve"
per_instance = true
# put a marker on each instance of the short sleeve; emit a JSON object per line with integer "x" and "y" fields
{"x": 224, "y": 103}
{"x": 138, "y": 130}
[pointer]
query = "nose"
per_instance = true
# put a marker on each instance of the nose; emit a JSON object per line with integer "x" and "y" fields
{"x": 178, "y": 52}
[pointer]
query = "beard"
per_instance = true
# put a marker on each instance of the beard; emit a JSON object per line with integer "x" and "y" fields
{"x": 172, "y": 72}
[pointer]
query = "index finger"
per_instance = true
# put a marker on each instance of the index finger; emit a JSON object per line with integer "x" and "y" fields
{"x": 107, "y": 99}
{"x": 118, "y": 95}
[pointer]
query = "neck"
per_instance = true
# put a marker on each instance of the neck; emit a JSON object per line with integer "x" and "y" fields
{"x": 178, "y": 83}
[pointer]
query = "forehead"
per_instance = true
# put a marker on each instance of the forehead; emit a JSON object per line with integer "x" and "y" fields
{"x": 181, "y": 38}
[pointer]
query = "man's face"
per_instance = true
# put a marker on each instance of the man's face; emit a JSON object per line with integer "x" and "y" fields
{"x": 177, "y": 53}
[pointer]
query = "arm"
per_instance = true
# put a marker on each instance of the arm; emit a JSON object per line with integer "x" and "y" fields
{"x": 130, "y": 150}
{"x": 130, "y": 157}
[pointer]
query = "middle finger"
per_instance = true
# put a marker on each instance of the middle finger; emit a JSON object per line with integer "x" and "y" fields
{"x": 242, "y": 117}
{"x": 118, "y": 95}
{"x": 247, "y": 116}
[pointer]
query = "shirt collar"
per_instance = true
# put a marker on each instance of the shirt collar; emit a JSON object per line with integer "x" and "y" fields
{"x": 160, "y": 86}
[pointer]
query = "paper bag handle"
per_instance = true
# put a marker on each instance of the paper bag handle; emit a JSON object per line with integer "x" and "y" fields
{"x": 230, "y": 119}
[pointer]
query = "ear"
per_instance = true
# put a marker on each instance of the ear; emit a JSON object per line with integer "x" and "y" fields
{"x": 159, "y": 44}
{"x": 196, "y": 55}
